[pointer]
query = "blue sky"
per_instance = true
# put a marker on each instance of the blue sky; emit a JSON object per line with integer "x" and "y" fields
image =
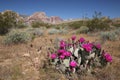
{"x": 64, "y": 8}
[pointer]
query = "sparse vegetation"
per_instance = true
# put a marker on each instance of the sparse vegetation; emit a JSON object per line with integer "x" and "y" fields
{"x": 83, "y": 29}
{"x": 63, "y": 31}
{"x": 75, "y": 24}
{"x": 39, "y": 24}
{"x": 116, "y": 25}
{"x": 38, "y": 32}
{"x": 117, "y": 31}
{"x": 53, "y": 31}
{"x": 16, "y": 36}
{"x": 98, "y": 23}
{"x": 109, "y": 36}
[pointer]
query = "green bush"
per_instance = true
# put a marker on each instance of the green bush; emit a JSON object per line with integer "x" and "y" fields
{"x": 38, "y": 32}
{"x": 83, "y": 29}
{"x": 53, "y": 31}
{"x": 97, "y": 24}
{"x": 63, "y": 31}
{"x": 116, "y": 25}
{"x": 35, "y": 31}
{"x": 61, "y": 26}
{"x": 117, "y": 31}
{"x": 109, "y": 36}
{"x": 75, "y": 25}
{"x": 22, "y": 26}
{"x": 7, "y": 20}
{"x": 35, "y": 24}
{"x": 40, "y": 24}
{"x": 15, "y": 37}
{"x": 57, "y": 27}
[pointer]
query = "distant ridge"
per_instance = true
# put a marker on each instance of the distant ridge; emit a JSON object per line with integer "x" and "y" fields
{"x": 24, "y": 16}
{"x": 41, "y": 16}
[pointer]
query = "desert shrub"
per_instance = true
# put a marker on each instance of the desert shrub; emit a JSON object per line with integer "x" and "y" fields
{"x": 35, "y": 24}
{"x": 83, "y": 29}
{"x": 57, "y": 31}
{"x": 40, "y": 24}
{"x": 21, "y": 25}
{"x": 75, "y": 25}
{"x": 15, "y": 37}
{"x": 117, "y": 31}
{"x": 53, "y": 31}
{"x": 38, "y": 32}
{"x": 57, "y": 27}
{"x": 116, "y": 25}
{"x": 35, "y": 31}
{"x": 108, "y": 36}
{"x": 42, "y": 28}
{"x": 63, "y": 31}
{"x": 7, "y": 21}
{"x": 98, "y": 22}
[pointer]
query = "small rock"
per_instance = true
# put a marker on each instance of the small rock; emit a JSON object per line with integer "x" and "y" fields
{"x": 26, "y": 55}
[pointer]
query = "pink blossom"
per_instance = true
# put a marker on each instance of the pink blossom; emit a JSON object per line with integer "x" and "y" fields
{"x": 53, "y": 56}
{"x": 81, "y": 40}
{"x": 87, "y": 47}
{"x": 90, "y": 44}
{"x": 62, "y": 42}
{"x": 73, "y": 63}
{"x": 108, "y": 57}
{"x": 67, "y": 54}
{"x": 62, "y": 56}
{"x": 61, "y": 51}
{"x": 84, "y": 45}
{"x": 98, "y": 46}
{"x": 62, "y": 45}
{"x": 73, "y": 37}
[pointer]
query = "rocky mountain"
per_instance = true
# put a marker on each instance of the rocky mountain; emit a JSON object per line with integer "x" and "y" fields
{"x": 41, "y": 16}
{"x": 23, "y": 16}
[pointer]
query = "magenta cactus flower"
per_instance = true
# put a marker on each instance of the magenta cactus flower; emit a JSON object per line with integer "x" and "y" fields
{"x": 53, "y": 56}
{"x": 90, "y": 44}
{"x": 62, "y": 42}
{"x": 67, "y": 54}
{"x": 87, "y": 47}
{"x": 62, "y": 45}
{"x": 98, "y": 46}
{"x": 108, "y": 57}
{"x": 64, "y": 53}
{"x": 81, "y": 40}
{"x": 84, "y": 45}
{"x": 73, "y": 37}
{"x": 61, "y": 51}
{"x": 62, "y": 56}
{"x": 73, "y": 64}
